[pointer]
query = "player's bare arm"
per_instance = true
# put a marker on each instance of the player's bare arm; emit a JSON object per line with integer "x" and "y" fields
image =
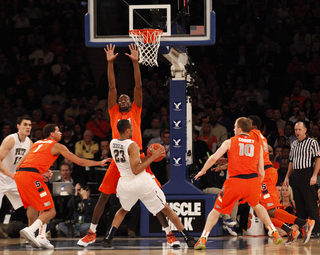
{"x": 137, "y": 74}
{"x": 6, "y": 146}
{"x": 112, "y": 96}
{"x": 225, "y": 146}
{"x": 64, "y": 151}
{"x": 261, "y": 171}
{"x": 136, "y": 165}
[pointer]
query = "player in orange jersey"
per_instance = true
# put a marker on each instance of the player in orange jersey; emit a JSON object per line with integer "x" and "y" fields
{"x": 245, "y": 169}
{"x": 32, "y": 189}
{"x": 269, "y": 194}
{"x": 123, "y": 109}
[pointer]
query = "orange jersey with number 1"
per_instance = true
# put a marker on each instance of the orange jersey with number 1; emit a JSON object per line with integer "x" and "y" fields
{"x": 256, "y": 135}
{"x": 40, "y": 156}
{"x": 243, "y": 155}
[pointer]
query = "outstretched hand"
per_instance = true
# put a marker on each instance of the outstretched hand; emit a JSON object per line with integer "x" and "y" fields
{"x": 220, "y": 168}
{"x": 109, "y": 50}
{"x": 134, "y": 52}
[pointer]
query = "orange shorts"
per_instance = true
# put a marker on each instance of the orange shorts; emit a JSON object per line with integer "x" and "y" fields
{"x": 33, "y": 191}
{"x": 234, "y": 189}
{"x": 111, "y": 178}
{"x": 269, "y": 193}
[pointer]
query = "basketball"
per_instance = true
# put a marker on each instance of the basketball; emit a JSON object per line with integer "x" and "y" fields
{"x": 155, "y": 146}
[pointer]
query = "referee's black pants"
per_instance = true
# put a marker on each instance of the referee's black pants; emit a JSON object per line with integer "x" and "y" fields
{"x": 305, "y": 196}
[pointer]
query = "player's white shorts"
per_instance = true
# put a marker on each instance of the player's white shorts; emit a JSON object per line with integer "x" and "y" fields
{"x": 142, "y": 187}
{"x": 11, "y": 191}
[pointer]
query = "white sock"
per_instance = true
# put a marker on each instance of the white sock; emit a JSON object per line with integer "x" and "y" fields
{"x": 167, "y": 230}
{"x": 37, "y": 224}
{"x": 205, "y": 234}
{"x": 93, "y": 227}
{"x": 43, "y": 230}
{"x": 271, "y": 228}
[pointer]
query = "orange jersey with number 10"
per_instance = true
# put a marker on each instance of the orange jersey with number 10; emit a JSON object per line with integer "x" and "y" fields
{"x": 40, "y": 156}
{"x": 243, "y": 156}
{"x": 258, "y": 136}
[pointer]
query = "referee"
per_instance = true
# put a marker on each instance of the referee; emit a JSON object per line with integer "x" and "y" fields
{"x": 304, "y": 152}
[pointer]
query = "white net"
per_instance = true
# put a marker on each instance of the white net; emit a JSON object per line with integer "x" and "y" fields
{"x": 148, "y": 42}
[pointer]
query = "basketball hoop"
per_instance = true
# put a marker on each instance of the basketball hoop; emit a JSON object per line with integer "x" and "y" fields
{"x": 148, "y": 42}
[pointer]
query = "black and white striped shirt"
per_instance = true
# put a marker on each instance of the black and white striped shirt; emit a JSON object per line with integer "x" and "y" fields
{"x": 303, "y": 154}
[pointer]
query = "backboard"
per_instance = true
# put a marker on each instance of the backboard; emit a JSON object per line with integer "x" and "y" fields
{"x": 184, "y": 22}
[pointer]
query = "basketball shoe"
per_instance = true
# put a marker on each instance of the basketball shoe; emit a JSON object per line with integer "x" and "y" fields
{"x": 307, "y": 230}
{"x": 29, "y": 235}
{"x": 107, "y": 242}
{"x": 172, "y": 241}
{"x": 276, "y": 238}
{"x": 292, "y": 236}
{"x": 90, "y": 237}
{"x": 44, "y": 243}
{"x": 201, "y": 244}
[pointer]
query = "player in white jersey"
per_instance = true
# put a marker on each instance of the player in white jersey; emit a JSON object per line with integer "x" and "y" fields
{"x": 12, "y": 149}
{"x": 135, "y": 183}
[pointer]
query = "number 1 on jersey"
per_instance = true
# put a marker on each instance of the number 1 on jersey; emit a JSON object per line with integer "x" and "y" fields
{"x": 39, "y": 146}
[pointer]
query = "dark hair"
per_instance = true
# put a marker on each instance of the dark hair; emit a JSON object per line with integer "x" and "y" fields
{"x": 256, "y": 121}
{"x": 48, "y": 129}
{"x": 23, "y": 117}
{"x": 123, "y": 125}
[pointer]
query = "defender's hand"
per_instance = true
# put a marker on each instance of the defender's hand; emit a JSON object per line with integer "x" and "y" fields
{"x": 109, "y": 50}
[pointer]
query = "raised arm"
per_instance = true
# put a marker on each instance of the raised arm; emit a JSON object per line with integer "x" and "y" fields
{"x": 138, "y": 98}
{"x": 112, "y": 96}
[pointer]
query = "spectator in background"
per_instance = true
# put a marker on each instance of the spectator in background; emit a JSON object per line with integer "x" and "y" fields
{"x": 42, "y": 53}
{"x": 309, "y": 109}
{"x": 82, "y": 206}
{"x": 98, "y": 125}
{"x": 271, "y": 132}
{"x": 277, "y": 117}
{"x": 288, "y": 133}
{"x": 37, "y": 117}
{"x": 86, "y": 148}
{"x": 224, "y": 121}
{"x": 219, "y": 131}
{"x": 233, "y": 112}
{"x": 315, "y": 133}
{"x": 78, "y": 132}
{"x": 152, "y": 132}
{"x": 38, "y": 135}
{"x": 296, "y": 96}
{"x": 83, "y": 117}
{"x": 65, "y": 173}
{"x": 73, "y": 110}
{"x": 206, "y": 135}
{"x": 295, "y": 112}
{"x": 5, "y": 131}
